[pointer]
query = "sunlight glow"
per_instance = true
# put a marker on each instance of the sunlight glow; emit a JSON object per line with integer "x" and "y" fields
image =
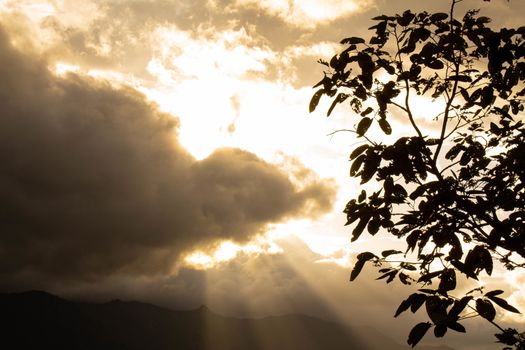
{"x": 341, "y": 257}
{"x": 515, "y": 280}
{"x": 228, "y": 250}
{"x": 36, "y": 10}
{"x": 200, "y": 260}
{"x": 64, "y": 68}
{"x": 307, "y": 13}
{"x": 321, "y": 286}
{"x": 230, "y": 53}
{"x": 199, "y": 77}
{"x": 115, "y": 78}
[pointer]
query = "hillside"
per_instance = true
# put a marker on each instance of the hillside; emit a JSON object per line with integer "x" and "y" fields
{"x": 40, "y": 320}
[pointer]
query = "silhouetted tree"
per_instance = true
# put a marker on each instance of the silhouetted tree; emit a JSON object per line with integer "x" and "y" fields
{"x": 454, "y": 193}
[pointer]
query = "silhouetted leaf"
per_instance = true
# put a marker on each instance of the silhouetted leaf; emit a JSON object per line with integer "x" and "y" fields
{"x": 454, "y": 151}
{"x": 357, "y": 269}
{"x": 373, "y": 226}
{"x": 503, "y": 304}
{"x": 409, "y": 267}
{"x": 322, "y": 82}
{"x": 418, "y": 191}
{"x": 380, "y": 18}
{"x": 400, "y": 191}
{"x": 486, "y": 261}
{"x": 356, "y": 164}
{"x": 412, "y": 240}
{"x": 462, "y": 268}
{"x": 360, "y": 227}
{"x": 457, "y": 327}
{"x": 417, "y": 301}
{"x": 370, "y": 167}
{"x": 464, "y": 78}
{"x": 437, "y": 309}
{"x": 414, "y": 302}
{"x": 404, "y": 278}
{"x": 428, "y": 291}
{"x": 361, "y": 260}
{"x": 389, "y": 275}
{"x": 357, "y": 151}
{"x": 363, "y": 126}
{"x": 494, "y": 293}
{"x": 387, "y": 253}
{"x": 418, "y": 332}
{"x": 438, "y": 17}
{"x": 508, "y": 337}
{"x": 447, "y": 280}
{"x": 456, "y": 252}
{"x": 334, "y": 62}
{"x": 406, "y": 18}
{"x": 435, "y": 64}
{"x": 405, "y": 304}
{"x": 429, "y": 276}
{"x": 440, "y": 330}
{"x": 466, "y": 157}
{"x": 483, "y": 20}
{"x": 459, "y": 306}
{"x": 464, "y": 94}
{"x": 385, "y": 126}
{"x": 315, "y": 99}
{"x": 420, "y": 34}
{"x": 367, "y": 111}
{"x": 485, "y": 309}
{"x": 361, "y": 93}
{"x": 487, "y": 96}
{"x": 362, "y": 196}
{"x": 353, "y": 40}
{"x": 340, "y": 98}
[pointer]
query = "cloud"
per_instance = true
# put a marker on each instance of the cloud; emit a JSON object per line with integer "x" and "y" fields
{"x": 229, "y": 53}
{"x": 306, "y": 13}
{"x": 236, "y": 106}
{"x": 245, "y": 86}
{"x": 95, "y": 183}
{"x": 123, "y": 35}
{"x": 293, "y": 279}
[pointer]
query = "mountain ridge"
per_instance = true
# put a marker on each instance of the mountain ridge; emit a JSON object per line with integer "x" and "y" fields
{"x": 37, "y": 319}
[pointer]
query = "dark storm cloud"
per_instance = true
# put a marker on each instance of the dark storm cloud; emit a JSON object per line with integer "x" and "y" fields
{"x": 93, "y": 181}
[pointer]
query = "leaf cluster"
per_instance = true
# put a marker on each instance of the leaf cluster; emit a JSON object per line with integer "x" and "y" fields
{"x": 455, "y": 195}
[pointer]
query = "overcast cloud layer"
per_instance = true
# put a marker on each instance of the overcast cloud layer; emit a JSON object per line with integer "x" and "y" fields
{"x": 93, "y": 181}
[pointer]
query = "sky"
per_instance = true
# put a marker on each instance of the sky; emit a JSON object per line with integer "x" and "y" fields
{"x": 162, "y": 150}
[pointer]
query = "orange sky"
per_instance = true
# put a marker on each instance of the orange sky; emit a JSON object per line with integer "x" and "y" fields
{"x": 164, "y": 151}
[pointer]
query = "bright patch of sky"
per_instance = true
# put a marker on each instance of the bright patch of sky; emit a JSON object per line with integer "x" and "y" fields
{"x": 307, "y": 13}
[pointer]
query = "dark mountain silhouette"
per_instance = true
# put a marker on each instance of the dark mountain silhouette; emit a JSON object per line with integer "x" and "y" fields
{"x": 38, "y": 320}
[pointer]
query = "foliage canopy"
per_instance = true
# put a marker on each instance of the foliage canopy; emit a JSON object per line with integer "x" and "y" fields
{"x": 455, "y": 193}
